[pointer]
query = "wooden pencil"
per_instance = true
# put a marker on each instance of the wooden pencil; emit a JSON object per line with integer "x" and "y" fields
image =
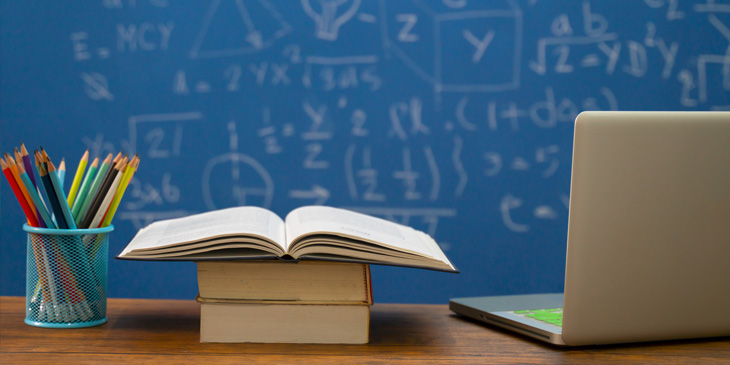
{"x": 56, "y": 185}
{"x": 131, "y": 168}
{"x": 37, "y": 250}
{"x": 14, "y": 170}
{"x": 61, "y": 172}
{"x": 28, "y": 164}
{"x": 106, "y": 202}
{"x": 77, "y": 178}
{"x": 53, "y": 198}
{"x": 19, "y": 195}
{"x": 100, "y": 176}
{"x": 89, "y": 212}
{"x": 17, "y": 164}
{"x": 40, "y": 185}
{"x": 44, "y": 218}
{"x": 85, "y": 185}
{"x": 100, "y": 195}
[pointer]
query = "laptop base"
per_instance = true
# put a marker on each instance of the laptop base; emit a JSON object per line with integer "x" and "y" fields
{"x": 497, "y": 311}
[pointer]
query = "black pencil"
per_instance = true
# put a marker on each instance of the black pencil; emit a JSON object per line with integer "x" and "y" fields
{"x": 52, "y": 197}
{"x": 98, "y": 193}
{"x": 103, "y": 191}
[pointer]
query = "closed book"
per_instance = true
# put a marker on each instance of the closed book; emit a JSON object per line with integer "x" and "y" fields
{"x": 274, "y": 281}
{"x": 283, "y": 323}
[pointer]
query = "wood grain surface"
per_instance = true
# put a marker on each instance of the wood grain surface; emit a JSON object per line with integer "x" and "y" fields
{"x": 157, "y": 331}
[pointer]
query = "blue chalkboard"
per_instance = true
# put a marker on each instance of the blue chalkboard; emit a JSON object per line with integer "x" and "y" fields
{"x": 451, "y": 116}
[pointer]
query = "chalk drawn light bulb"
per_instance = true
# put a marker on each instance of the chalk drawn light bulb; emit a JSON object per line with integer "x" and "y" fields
{"x": 328, "y": 22}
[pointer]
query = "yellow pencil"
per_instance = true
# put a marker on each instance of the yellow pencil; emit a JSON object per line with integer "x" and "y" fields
{"x": 77, "y": 179}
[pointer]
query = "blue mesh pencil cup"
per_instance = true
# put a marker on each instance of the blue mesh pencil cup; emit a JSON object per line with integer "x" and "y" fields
{"x": 66, "y": 277}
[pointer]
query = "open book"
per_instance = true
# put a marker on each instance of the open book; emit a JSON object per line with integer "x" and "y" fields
{"x": 313, "y": 232}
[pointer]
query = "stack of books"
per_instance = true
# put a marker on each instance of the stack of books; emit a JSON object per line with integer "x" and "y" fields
{"x": 282, "y": 302}
{"x": 304, "y": 278}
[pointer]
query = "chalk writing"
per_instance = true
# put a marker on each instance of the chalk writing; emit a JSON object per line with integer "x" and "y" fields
{"x": 414, "y": 104}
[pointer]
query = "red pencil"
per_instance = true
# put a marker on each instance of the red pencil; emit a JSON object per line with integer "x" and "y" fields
{"x": 32, "y": 221}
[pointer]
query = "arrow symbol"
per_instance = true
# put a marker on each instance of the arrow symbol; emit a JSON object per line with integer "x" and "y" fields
{"x": 317, "y": 192}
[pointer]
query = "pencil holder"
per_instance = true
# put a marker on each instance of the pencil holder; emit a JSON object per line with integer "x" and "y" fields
{"x": 66, "y": 277}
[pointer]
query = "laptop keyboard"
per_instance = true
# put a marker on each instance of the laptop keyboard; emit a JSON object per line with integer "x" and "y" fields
{"x": 552, "y": 316}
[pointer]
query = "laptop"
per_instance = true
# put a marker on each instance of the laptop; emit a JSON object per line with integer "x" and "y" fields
{"x": 648, "y": 254}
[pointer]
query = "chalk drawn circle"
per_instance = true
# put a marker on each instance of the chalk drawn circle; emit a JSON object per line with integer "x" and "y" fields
{"x": 260, "y": 188}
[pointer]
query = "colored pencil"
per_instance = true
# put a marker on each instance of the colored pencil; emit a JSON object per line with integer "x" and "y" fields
{"x": 47, "y": 278}
{"x": 17, "y": 164}
{"x": 14, "y": 170}
{"x": 101, "y": 194}
{"x": 28, "y": 164}
{"x": 100, "y": 175}
{"x": 56, "y": 184}
{"x": 73, "y": 250}
{"x": 38, "y": 253}
{"x": 77, "y": 178}
{"x": 61, "y": 172}
{"x": 131, "y": 168}
{"x": 19, "y": 195}
{"x": 94, "y": 195}
{"x": 117, "y": 158}
{"x": 53, "y": 198}
{"x": 84, "y": 187}
{"x": 41, "y": 161}
{"x": 89, "y": 212}
{"x": 39, "y": 184}
{"x": 44, "y": 218}
{"x": 104, "y": 206}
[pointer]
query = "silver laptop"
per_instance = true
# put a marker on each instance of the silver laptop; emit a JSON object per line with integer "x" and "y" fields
{"x": 648, "y": 236}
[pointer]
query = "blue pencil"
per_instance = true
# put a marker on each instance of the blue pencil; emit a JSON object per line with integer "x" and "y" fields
{"x": 53, "y": 198}
{"x": 39, "y": 206}
{"x": 42, "y": 187}
{"x": 62, "y": 173}
{"x": 56, "y": 186}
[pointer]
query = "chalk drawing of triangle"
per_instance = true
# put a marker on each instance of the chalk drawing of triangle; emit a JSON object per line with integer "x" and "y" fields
{"x": 235, "y": 27}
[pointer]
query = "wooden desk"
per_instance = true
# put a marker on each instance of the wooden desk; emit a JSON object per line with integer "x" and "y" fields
{"x": 168, "y": 331}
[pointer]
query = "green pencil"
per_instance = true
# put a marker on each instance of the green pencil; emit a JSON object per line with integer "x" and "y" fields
{"x": 94, "y": 187}
{"x": 79, "y": 201}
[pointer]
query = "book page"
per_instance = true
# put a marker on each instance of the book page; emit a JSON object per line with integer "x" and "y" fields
{"x": 251, "y": 221}
{"x": 318, "y": 219}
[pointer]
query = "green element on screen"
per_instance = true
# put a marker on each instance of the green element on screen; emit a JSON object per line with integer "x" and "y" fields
{"x": 552, "y": 316}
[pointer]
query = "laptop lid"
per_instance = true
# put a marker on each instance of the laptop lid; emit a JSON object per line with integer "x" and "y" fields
{"x": 649, "y": 229}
